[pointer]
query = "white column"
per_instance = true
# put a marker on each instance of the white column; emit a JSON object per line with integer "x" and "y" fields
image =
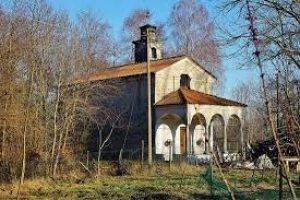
{"x": 225, "y": 136}
{"x": 207, "y": 138}
{"x": 211, "y": 136}
{"x": 191, "y": 133}
{"x": 188, "y": 139}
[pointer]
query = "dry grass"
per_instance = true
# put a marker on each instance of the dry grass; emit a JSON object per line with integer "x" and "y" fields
{"x": 160, "y": 182}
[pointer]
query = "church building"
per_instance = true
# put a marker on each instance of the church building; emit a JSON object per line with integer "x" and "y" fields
{"x": 187, "y": 119}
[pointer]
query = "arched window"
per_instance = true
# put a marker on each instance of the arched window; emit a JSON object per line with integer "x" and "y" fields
{"x": 185, "y": 80}
{"x": 154, "y": 54}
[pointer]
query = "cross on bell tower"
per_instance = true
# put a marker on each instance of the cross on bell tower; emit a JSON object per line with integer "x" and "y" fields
{"x": 155, "y": 46}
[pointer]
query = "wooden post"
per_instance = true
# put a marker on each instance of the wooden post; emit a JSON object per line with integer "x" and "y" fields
{"x": 298, "y": 171}
{"x": 149, "y": 104}
{"x": 211, "y": 149}
{"x": 170, "y": 154}
{"x": 87, "y": 158}
{"x": 223, "y": 177}
{"x": 211, "y": 174}
{"x": 143, "y": 143}
{"x": 180, "y": 160}
{"x": 280, "y": 182}
{"x": 264, "y": 167}
{"x": 253, "y": 171}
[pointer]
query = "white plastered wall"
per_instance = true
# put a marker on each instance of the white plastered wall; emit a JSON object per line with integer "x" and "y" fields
{"x": 173, "y": 117}
{"x": 168, "y": 79}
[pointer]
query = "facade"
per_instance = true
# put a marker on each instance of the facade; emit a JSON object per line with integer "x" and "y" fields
{"x": 187, "y": 119}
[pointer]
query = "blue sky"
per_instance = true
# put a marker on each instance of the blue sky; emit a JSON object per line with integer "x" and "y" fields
{"x": 115, "y": 11}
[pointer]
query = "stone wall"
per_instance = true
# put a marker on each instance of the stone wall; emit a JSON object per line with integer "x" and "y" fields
{"x": 132, "y": 103}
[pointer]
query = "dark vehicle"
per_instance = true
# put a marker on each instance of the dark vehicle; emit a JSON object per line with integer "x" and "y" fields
{"x": 268, "y": 147}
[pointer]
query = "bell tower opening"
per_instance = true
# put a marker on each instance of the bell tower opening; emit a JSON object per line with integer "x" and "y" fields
{"x": 185, "y": 81}
{"x": 141, "y": 47}
{"x": 154, "y": 53}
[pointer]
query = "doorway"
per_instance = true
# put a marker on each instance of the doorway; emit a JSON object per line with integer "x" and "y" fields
{"x": 182, "y": 140}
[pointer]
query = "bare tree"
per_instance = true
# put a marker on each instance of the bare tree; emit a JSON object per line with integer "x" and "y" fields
{"x": 94, "y": 37}
{"x": 277, "y": 29}
{"x": 277, "y": 38}
{"x": 281, "y": 31}
{"x": 193, "y": 34}
{"x": 42, "y": 52}
{"x": 253, "y": 115}
{"x": 257, "y": 40}
{"x": 130, "y": 30}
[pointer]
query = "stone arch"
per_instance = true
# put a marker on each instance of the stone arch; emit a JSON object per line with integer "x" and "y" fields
{"x": 163, "y": 134}
{"x": 198, "y": 118}
{"x": 171, "y": 119}
{"x": 198, "y": 133}
{"x": 217, "y": 125}
{"x": 234, "y": 134}
{"x": 166, "y": 127}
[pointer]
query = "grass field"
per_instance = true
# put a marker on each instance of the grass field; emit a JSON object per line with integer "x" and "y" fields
{"x": 160, "y": 182}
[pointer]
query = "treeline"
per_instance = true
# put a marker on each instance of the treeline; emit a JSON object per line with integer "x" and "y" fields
{"x": 42, "y": 51}
{"x": 45, "y": 120}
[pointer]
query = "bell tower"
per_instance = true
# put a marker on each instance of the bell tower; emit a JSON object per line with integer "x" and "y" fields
{"x": 140, "y": 46}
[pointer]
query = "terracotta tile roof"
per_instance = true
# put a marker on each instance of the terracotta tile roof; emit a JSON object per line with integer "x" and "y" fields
{"x": 187, "y": 96}
{"x": 133, "y": 69}
{"x": 130, "y": 69}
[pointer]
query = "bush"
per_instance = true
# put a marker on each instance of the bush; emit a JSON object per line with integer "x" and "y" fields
{"x": 120, "y": 169}
{"x": 6, "y": 175}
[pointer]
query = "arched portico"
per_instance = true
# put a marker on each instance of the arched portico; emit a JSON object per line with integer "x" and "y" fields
{"x": 167, "y": 131}
{"x": 198, "y": 133}
{"x": 218, "y": 137}
{"x": 202, "y": 123}
{"x": 163, "y": 134}
{"x": 204, "y": 130}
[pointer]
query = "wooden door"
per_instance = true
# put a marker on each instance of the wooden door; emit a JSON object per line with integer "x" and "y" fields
{"x": 182, "y": 140}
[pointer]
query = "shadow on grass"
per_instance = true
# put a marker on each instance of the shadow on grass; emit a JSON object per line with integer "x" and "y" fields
{"x": 152, "y": 193}
{"x": 157, "y": 196}
{"x": 256, "y": 195}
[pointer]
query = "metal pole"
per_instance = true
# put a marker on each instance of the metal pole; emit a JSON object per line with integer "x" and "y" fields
{"x": 149, "y": 103}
